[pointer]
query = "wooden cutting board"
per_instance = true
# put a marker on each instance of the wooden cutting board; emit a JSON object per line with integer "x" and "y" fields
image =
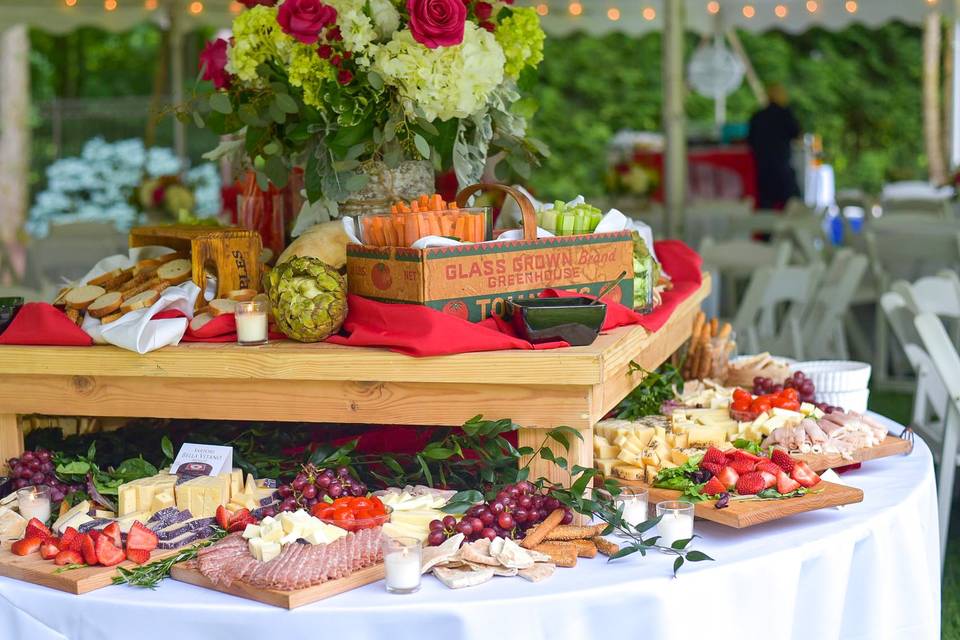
{"x": 284, "y": 599}
{"x": 891, "y": 446}
{"x": 33, "y": 568}
{"x": 740, "y": 515}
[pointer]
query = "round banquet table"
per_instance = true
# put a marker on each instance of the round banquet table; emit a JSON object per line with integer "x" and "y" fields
{"x": 869, "y": 570}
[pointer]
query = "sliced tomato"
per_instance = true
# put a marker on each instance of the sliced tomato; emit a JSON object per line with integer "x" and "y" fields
{"x": 343, "y": 515}
{"x": 760, "y": 405}
{"x": 361, "y": 503}
{"x": 323, "y": 511}
{"x": 740, "y": 395}
{"x": 792, "y": 394}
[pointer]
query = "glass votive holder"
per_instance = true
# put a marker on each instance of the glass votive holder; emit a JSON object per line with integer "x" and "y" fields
{"x": 401, "y": 558}
{"x": 34, "y": 502}
{"x": 676, "y": 521}
{"x": 251, "y": 318}
{"x": 633, "y": 500}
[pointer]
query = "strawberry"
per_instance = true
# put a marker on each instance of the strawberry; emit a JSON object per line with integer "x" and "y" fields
{"x": 68, "y": 557}
{"x": 74, "y": 544}
{"x": 88, "y": 549}
{"x": 782, "y": 459}
{"x": 714, "y": 456}
{"x": 769, "y": 479}
{"x": 68, "y": 536}
{"x": 712, "y": 467}
{"x": 27, "y": 545}
{"x": 240, "y": 525}
{"x": 36, "y": 529}
{"x": 140, "y": 556}
{"x": 803, "y": 474}
{"x": 140, "y": 537}
{"x": 728, "y": 477}
{"x": 223, "y": 517}
{"x": 786, "y": 484}
{"x": 94, "y": 534}
{"x": 740, "y": 454}
{"x": 108, "y": 554}
{"x": 112, "y": 531}
{"x": 742, "y": 466}
{"x": 750, "y": 484}
{"x": 714, "y": 486}
{"x": 769, "y": 467}
{"x": 242, "y": 514}
{"x": 48, "y": 550}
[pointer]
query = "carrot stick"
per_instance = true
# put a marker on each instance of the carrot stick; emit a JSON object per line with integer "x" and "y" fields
{"x": 436, "y": 202}
{"x": 453, "y": 206}
{"x": 434, "y": 219}
{"x": 410, "y": 229}
{"x": 446, "y": 223}
{"x": 460, "y": 228}
{"x": 423, "y": 201}
{"x": 479, "y": 229}
{"x": 378, "y": 230}
{"x": 389, "y": 233}
{"x": 415, "y": 207}
{"x": 367, "y": 233}
{"x": 393, "y": 209}
{"x": 398, "y": 232}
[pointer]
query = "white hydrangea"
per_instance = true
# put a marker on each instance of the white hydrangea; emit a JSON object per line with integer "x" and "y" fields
{"x": 446, "y": 82}
{"x": 356, "y": 27}
{"x": 386, "y": 18}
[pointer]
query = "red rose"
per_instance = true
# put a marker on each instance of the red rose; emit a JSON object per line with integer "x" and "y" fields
{"x": 334, "y": 35}
{"x": 213, "y": 62}
{"x": 325, "y": 51}
{"x": 250, "y": 4}
{"x": 336, "y": 60}
{"x": 344, "y": 77}
{"x": 489, "y": 26}
{"x": 437, "y": 23}
{"x": 305, "y": 19}
{"x": 483, "y": 10}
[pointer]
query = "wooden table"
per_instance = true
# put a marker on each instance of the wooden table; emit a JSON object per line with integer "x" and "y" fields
{"x": 289, "y": 381}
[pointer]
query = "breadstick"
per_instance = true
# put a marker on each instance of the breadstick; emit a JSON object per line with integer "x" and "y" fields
{"x": 563, "y": 554}
{"x": 585, "y": 548}
{"x": 539, "y": 533}
{"x": 697, "y": 325}
{"x": 606, "y": 547}
{"x": 725, "y": 331}
{"x": 706, "y": 362}
{"x": 566, "y": 532}
{"x": 714, "y": 327}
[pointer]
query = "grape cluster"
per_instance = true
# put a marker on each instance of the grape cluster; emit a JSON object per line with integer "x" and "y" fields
{"x": 798, "y": 381}
{"x": 34, "y": 468}
{"x": 514, "y": 510}
{"x": 312, "y": 485}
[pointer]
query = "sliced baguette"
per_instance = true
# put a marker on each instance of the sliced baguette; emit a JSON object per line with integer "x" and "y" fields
{"x": 170, "y": 257}
{"x": 81, "y": 297}
{"x": 105, "y": 305}
{"x": 221, "y": 306}
{"x": 112, "y": 317}
{"x": 74, "y": 315}
{"x": 60, "y": 301}
{"x": 242, "y": 295}
{"x": 140, "y": 301}
{"x": 175, "y": 272}
{"x": 125, "y": 276}
{"x": 140, "y": 288}
{"x": 200, "y": 321}
{"x": 102, "y": 279}
{"x": 146, "y": 266}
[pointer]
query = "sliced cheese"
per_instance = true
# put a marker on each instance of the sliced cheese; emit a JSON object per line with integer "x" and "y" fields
{"x": 627, "y": 472}
{"x": 81, "y": 508}
{"x": 12, "y": 524}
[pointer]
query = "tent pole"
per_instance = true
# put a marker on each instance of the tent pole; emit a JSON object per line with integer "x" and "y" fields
{"x": 14, "y": 139}
{"x": 674, "y": 125}
{"x": 955, "y": 91}
{"x": 756, "y": 85}
{"x": 176, "y": 78}
{"x": 931, "y": 98}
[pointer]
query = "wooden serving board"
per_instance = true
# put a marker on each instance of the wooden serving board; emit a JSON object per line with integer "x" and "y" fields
{"x": 740, "y": 515}
{"x": 891, "y": 446}
{"x": 284, "y": 599}
{"x": 33, "y": 568}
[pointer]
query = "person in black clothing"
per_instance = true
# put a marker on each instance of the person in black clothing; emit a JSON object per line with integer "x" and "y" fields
{"x": 772, "y": 129}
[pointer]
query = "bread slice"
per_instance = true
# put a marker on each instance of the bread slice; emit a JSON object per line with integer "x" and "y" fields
{"x": 175, "y": 272}
{"x": 75, "y": 316}
{"x": 199, "y": 321}
{"x": 105, "y": 305}
{"x": 242, "y": 295}
{"x": 102, "y": 279}
{"x": 170, "y": 257}
{"x": 60, "y": 301}
{"x": 112, "y": 317}
{"x": 140, "y": 301}
{"x": 146, "y": 266}
{"x": 221, "y": 306}
{"x": 81, "y": 297}
{"x": 152, "y": 283}
{"x": 115, "y": 284}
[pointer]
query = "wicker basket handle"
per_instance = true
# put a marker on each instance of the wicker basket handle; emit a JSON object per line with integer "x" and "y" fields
{"x": 526, "y": 207}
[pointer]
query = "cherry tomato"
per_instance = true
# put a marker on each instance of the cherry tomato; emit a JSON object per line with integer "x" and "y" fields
{"x": 791, "y": 394}
{"x": 323, "y": 511}
{"x": 791, "y": 405}
{"x": 760, "y": 405}
{"x": 741, "y": 395}
{"x": 741, "y": 405}
{"x": 360, "y": 503}
{"x": 363, "y": 514}
{"x": 343, "y": 515}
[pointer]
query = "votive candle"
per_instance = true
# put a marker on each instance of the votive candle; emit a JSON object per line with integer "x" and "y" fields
{"x": 251, "y": 318}
{"x": 401, "y": 558}
{"x": 676, "y": 521}
{"x": 34, "y": 502}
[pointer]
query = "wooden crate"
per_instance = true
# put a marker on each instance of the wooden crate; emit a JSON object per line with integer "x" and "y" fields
{"x": 232, "y": 255}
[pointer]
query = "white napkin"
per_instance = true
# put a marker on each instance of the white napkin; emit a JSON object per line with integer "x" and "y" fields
{"x": 136, "y": 332}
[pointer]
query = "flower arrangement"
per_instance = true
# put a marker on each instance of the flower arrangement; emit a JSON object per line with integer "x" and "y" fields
{"x": 332, "y": 85}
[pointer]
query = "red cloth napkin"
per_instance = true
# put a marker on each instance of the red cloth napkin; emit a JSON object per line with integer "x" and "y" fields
{"x": 39, "y": 323}
{"x": 222, "y": 328}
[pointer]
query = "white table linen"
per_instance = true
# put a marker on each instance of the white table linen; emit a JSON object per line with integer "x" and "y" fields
{"x": 867, "y": 571}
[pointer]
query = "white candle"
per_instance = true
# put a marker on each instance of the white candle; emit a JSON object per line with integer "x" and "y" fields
{"x": 676, "y": 522}
{"x": 401, "y": 559}
{"x": 633, "y": 500}
{"x": 34, "y": 502}
{"x": 251, "y": 318}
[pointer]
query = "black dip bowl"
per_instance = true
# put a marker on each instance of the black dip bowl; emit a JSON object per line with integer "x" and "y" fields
{"x": 539, "y": 320}
{"x": 8, "y": 309}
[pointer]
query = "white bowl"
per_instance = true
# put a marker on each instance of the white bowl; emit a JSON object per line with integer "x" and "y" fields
{"x": 835, "y": 376}
{"x": 848, "y": 400}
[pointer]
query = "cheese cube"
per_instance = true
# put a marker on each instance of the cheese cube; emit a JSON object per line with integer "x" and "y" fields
{"x": 127, "y": 499}
{"x": 270, "y": 550}
{"x": 251, "y": 531}
{"x": 605, "y": 450}
{"x": 162, "y": 500}
{"x": 681, "y": 440}
{"x": 787, "y": 413}
{"x": 202, "y": 495}
{"x": 650, "y": 472}
{"x": 627, "y": 472}
{"x": 807, "y": 408}
{"x": 271, "y": 530}
{"x": 604, "y": 465}
{"x": 703, "y": 435}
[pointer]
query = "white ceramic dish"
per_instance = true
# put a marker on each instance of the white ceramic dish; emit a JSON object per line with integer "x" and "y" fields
{"x": 835, "y": 376}
{"x": 849, "y": 400}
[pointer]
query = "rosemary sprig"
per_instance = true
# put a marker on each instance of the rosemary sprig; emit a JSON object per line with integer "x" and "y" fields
{"x": 150, "y": 575}
{"x": 69, "y": 567}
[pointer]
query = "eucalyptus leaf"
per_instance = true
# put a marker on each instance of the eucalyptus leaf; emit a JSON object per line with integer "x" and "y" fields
{"x": 423, "y": 148}
{"x": 677, "y": 564}
{"x": 220, "y": 102}
{"x": 285, "y": 103}
{"x": 375, "y": 80}
{"x": 697, "y": 556}
{"x": 277, "y": 171}
{"x": 198, "y": 119}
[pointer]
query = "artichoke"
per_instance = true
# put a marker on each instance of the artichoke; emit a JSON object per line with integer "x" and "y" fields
{"x": 309, "y": 298}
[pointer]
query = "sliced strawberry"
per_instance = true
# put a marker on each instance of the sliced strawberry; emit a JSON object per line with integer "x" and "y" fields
{"x": 107, "y": 553}
{"x": 36, "y": 529}
{"x": 712, "y": 467}
{"x": 728, "y": 477}
{"x": 94, "y": 534}
{"x": 140, "y": 556}
{"x": 74, "y": 544}
{"x": 742, "y": 466}
{"x": 714, "y": 486}
{"x": 786, "y": 484}
{"x": 49, "y": 551}
{"x": 714, "y": 456}
{"x": 750, "y": 484}
{"x": 242, "y": 514}
{"x": 88, "y": 549}
{"x": 240, "y": 525}
{"x": 741, "y": 454}
{"x": 27, "y": 545}
{"x": 782, "y": 459}
{"x": 140, "y": 537}
{"x": 112, "y": 531}
{"x": 69, "y": 534}
{"x": 68, "y": 557}
{"x": 769, "y": 479}
{"x": 803, "y": 474}
{"x": 223, "y": 517}
{"x": 769, "y": 467}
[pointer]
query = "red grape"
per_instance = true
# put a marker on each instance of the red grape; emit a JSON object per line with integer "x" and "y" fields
{"x": 567, "y": 516}
{"x": 449, "y": 521}
{"x": 435, "y": 538}
{"x": 309, "y": 491}
{"x": 436, "y": 525}
{"x": 505, "y": 520}
{"x": 488, "y": 533}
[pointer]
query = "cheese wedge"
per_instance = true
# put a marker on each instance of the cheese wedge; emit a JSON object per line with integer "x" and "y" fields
{"x": 626, "y": 472}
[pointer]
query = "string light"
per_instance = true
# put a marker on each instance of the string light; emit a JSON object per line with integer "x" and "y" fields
{"x": 150, "y": 5}
{"x": 749, "y": 11}
{"x": 931, "y": 2}
{"x": 236, "y": 7}
{"x": 780, "y": 10}
{"x": 109, "y": 5}
{"x": 649, "y": 13}
{"x": 575, "y": 8}
{"x": 850, "y": 6}
{"x": 812, "y": 6}
{"x": 613, "y": 13}
{"x": 543, "y": 9}
{"x": 713, "y": 7}
{"x": 70, "y": 3}
{"x": 196, "y": 8}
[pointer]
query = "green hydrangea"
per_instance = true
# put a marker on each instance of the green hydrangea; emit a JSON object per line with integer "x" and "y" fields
{"x": 257, "y": 37}
{"x": 309, "y": 71}
{"x": 521, "y": 38}
{"x": 446, "y": 82}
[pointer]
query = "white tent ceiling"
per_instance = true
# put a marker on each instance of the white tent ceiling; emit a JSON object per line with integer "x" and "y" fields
{"x": 63, "y": 16}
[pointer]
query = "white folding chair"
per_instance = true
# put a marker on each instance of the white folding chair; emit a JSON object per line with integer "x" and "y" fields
{"x": 822, "y": 326}
{"x": 733, "y": 261}
{"x": 946, "y": 362}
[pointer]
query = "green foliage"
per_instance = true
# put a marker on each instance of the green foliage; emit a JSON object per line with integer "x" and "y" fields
{"x": 656, "y": 388}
